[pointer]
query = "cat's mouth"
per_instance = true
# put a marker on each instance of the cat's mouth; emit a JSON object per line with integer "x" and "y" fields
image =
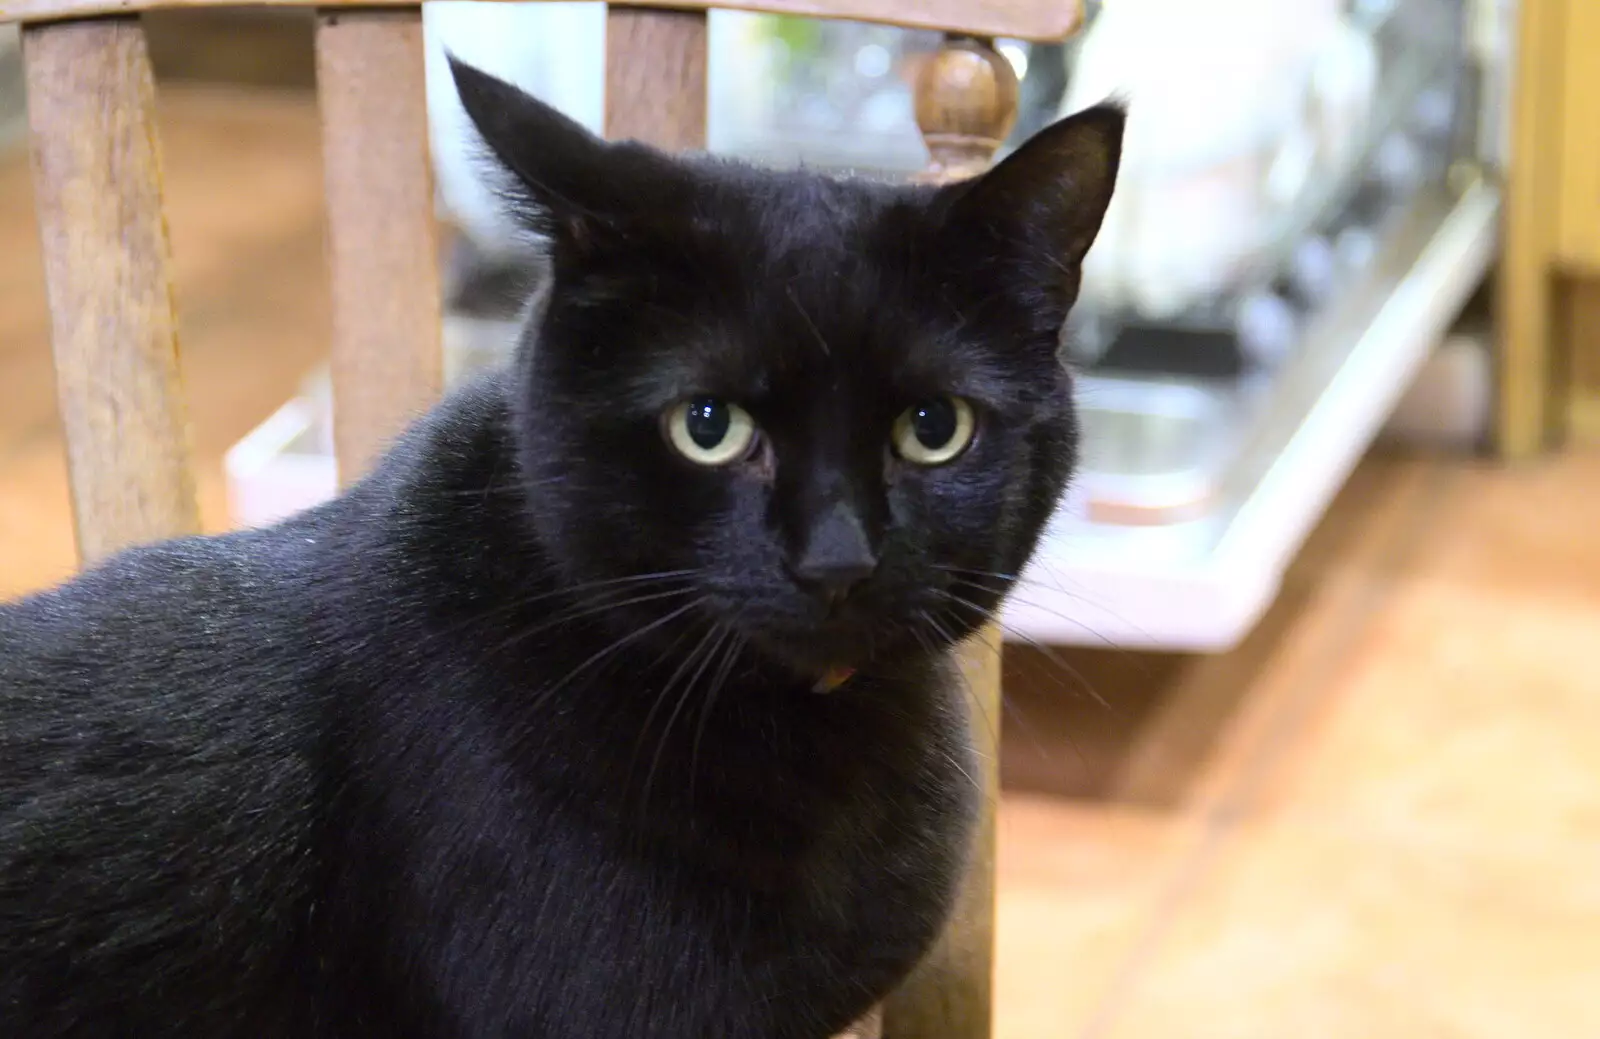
{"x": 824, "y": 642}
{"x": 815, "y": 660}
{"x": 831, "y": 652}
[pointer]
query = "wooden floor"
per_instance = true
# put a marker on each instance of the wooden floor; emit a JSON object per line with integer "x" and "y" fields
{"x": 1378, "y": 818}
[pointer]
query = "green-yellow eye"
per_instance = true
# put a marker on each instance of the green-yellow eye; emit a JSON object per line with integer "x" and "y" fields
{"x": 934, "y": 431}
{"x": 710, "y": 432}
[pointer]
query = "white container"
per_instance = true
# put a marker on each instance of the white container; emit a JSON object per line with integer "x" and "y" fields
{"x": 287, "y": 463}
{"x": 282, "y": 466}
{"x": 1234, "y": 110}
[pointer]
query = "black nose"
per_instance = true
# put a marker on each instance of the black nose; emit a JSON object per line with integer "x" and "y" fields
{"x": 832, "y": 583}
{"x": 837, "y": 555}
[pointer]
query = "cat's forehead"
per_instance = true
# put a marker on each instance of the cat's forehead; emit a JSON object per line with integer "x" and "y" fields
{"x": 800, "y": 212}
{"x": 798, "y": 286}
{"x": 864, "y": 337}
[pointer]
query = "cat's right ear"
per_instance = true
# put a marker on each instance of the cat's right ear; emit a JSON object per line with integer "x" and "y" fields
{"x": 560, "y": 180}
{"x": 1053, "y": 190}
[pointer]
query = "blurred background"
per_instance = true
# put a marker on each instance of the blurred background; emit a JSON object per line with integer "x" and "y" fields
{"x": 1300, "y": 738}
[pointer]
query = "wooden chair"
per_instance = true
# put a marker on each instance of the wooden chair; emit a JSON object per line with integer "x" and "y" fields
{"x": 97, "y": 171}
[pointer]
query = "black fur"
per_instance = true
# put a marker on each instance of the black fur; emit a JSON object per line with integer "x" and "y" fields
{"x": 434, "y": 759}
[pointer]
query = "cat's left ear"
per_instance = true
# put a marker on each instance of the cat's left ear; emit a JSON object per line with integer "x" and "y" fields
{"x": 564, "y": 182}
{"x": 1054, "y": 189}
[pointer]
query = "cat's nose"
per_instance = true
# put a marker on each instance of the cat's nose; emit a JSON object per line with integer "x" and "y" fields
{"x": 833, "y": 582}
{"x": 837, "y": 556}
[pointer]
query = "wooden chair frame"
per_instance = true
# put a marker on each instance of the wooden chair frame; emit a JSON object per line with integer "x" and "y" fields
{"x": 97, "y": 171}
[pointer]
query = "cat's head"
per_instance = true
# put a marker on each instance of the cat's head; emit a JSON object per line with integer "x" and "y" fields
{"x": 833, "y": 409}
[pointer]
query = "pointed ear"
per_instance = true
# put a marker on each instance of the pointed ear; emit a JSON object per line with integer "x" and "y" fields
{"x": 1055, "y": 188}
{"x": 564, "y": 181}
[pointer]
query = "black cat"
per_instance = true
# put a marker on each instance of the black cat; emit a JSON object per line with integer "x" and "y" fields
{"x": 616, "y": 703}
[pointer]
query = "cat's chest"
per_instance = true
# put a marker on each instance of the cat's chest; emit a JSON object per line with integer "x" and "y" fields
{"x": 779, "y": 871}
{"x": 845, "y": 849}
{"x": 779, "y": 924}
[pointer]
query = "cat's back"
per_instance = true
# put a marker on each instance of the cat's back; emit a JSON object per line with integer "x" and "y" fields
{"x": 169, "y": 747}
{"x": 205, "y": 653}
{"x": 145, "y": 658}
{"x": 156, "y": 745}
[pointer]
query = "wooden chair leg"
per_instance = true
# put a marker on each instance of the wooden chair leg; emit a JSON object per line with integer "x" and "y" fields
{"x": 951, "y": 995}
{"x": 97, "y": 177}
{"x": 382, "y": 237}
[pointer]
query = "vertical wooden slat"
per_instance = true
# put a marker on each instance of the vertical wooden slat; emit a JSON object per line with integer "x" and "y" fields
{"x": 656, "y": 77}
{"x": 1525, "y": 301}
{"x": 966, "y": 103}
{"x": 382, "y": 236}
{"x": 97, "y": 177}
{"x": 1577, "y": 150}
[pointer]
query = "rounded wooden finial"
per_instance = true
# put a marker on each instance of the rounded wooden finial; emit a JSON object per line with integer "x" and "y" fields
{"x": 966, "y": 103}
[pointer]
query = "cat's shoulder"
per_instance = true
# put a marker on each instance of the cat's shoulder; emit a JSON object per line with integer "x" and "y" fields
{"x": 174, "y": 601}
{"x": 254, "y": 591}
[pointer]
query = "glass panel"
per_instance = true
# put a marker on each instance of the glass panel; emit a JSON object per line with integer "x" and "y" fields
{"x": 1273, "y": 146}
{"x": 1268, "y": 142}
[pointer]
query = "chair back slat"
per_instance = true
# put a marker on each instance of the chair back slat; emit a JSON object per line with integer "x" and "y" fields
{"x": 383, "y": 250}
{"x": 97, "y": 183}
{"x": 656, "y": 77}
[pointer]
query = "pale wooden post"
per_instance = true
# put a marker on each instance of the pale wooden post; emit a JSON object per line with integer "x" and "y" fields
{"x": 1526, "y": 415}
{"x": 966, "y": 103}
{"x": 383, "y": 252}
{"x": 97, "y": 181}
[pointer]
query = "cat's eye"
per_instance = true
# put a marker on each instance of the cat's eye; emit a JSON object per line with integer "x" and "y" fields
{"x": 934, "y": 431}
{"x": 710, "y": 432}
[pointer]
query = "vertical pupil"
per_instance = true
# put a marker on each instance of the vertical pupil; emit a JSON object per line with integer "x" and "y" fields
{"x": 708, "y": 422}
{"x": 934, "y": 423}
